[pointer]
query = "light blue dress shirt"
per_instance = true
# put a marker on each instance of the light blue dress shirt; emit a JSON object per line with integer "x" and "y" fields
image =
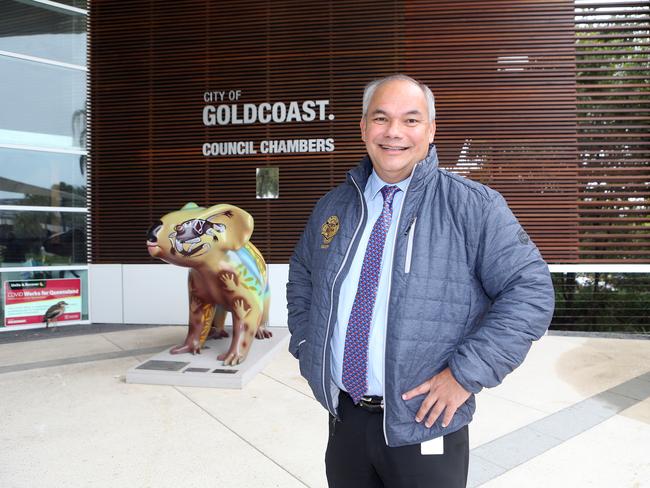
{"x": 375, "y": 204}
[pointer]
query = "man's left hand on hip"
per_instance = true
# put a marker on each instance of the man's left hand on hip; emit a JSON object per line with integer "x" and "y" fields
{"x": 444, "y": 393}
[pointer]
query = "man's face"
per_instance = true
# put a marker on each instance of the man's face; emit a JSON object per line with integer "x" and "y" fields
{"x": 396, "y": 129}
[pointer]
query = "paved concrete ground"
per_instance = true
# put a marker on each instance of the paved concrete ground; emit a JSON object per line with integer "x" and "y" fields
{"x": 576, "y": 414}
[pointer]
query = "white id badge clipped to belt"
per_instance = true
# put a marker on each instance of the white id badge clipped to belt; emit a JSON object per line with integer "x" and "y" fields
{"x": 434, "y": 446}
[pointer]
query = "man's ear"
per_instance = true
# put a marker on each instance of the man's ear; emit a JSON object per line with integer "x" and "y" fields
{"x": 433, "y": 131}
{"x": 234, "y": 226}
{"x": 362, "y": 125}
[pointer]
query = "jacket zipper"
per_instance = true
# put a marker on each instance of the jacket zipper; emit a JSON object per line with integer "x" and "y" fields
{"x": 329, "y": 318}
{"x": 390, "y": 282}
{"x": 409, "y": 246}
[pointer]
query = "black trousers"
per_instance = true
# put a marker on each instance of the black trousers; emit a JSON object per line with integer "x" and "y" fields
{"x": 357, "y": 455}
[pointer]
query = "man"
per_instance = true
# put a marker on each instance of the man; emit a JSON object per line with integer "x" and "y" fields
{"x": 410, "y": 290}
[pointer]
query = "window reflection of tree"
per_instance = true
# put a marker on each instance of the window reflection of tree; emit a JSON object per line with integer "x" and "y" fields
{"x": 79, "y": 133}
{"x": 268, "y": 182}
{"x": 42, "y": 238}
{"x": 602, "y": 302}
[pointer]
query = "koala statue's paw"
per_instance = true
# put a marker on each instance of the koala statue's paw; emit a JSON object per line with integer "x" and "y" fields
{"x": 263, "y": 333}
{"x": 231, "y": 359}
{"x": 183, "y": 348}
{"x": 218, "y": 334}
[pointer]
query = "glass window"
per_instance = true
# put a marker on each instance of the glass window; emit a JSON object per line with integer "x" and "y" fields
{"x": 42, "y": 178}
{"x": 267, "y": 182}
{"x": 33, "y": 309}
{"x": 42, "y": 105}
{"x": 43, "y": 32}
{"x": 29, "y": 238}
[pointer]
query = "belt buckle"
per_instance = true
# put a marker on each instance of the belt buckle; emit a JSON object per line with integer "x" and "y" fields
{"x": 370, "y": 404}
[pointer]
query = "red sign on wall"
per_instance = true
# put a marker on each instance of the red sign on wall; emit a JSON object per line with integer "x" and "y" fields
{"x": 34, "y": 301}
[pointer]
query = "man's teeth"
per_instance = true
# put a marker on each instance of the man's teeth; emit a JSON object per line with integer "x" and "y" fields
{"x": 395, "y": 148}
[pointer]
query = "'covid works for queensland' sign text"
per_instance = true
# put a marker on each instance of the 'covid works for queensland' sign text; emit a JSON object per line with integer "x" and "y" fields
{"x": 225, "y": 108}
{"x": 26, "y": 302}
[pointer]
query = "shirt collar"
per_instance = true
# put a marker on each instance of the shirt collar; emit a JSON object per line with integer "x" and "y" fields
{"x": 375, "y": 184}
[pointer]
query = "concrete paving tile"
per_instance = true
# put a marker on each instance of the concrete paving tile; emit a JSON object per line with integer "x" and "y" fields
{"x": 566, "y": 423}
{"x": 79, "y": 425}
{"x": 55, "y": 348}
{"x": 600, "y": 364}
{"x": 284, "y": 368}
{"x": 481, "y": 470}
{"x": 286, "y": 425}
{"x": 103, "y": 356}
{"x": 583, "y": 415}
{"x": 526, "y": 385}
{"x": 515, "y": 448}
{"x": 612, "y": 454}
{"x": 163, "y": 336}
{"x": 639, "y": 412}
{"x": 561, "y": 371}
{"x": 605, "y": 404}
{"x": 635, "y": 388}
{"x": 496, "y": 416}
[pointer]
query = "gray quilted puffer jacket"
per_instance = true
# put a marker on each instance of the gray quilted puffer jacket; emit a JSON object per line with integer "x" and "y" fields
{"x": 469, "y": 290}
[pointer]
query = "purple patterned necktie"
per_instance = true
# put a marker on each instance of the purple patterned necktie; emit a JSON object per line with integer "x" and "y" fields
{"x": 355, "y": 353}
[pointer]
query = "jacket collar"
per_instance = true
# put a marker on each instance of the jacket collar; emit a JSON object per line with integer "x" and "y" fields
{"x": 422, "y": 173}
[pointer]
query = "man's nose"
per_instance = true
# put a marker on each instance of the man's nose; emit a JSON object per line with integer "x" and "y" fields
{"x": 393, "y": 129}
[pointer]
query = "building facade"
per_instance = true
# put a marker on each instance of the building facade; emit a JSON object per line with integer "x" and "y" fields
{"x": 43, "y": 201}
{"x": 257, "y": 104}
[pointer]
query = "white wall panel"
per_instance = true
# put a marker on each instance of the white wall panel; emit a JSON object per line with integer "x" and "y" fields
{"x": 105, "y": 283}
{"x": 155, "y": 294}
{"x": 278, "y": 277}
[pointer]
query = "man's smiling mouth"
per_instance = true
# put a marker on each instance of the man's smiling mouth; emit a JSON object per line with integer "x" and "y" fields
{"x": 393, "y": 148}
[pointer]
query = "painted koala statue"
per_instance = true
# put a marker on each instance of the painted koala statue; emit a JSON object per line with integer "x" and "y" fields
{"x": 228, "y": 274}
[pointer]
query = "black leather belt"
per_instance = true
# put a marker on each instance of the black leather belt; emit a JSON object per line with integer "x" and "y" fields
{"x": 370, "y": 403}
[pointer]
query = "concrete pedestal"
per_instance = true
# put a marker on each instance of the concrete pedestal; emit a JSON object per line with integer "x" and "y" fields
{"x": 204, "y": 369}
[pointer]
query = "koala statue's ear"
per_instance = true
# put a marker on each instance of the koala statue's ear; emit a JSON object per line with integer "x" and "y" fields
{"x": 233, "y": 226}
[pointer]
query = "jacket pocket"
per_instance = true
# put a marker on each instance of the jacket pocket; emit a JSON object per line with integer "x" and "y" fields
{"x": 409, "y": 246}
{"x": 303, "y": 357}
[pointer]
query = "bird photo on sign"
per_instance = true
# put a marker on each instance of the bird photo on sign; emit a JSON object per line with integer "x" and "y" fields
{"x": 53, "y": 313}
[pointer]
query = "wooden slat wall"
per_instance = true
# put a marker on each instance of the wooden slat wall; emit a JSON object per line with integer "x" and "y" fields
{"x": 613, "y": 80}
{"x": 151, "y": 61}
{"x": 503, "y": 75}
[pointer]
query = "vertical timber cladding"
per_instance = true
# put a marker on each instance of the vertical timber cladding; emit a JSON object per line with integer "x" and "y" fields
{"x": 503, "y": 75}
{"x": 613, "y": 82}
{"x": 153, "y": 62}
